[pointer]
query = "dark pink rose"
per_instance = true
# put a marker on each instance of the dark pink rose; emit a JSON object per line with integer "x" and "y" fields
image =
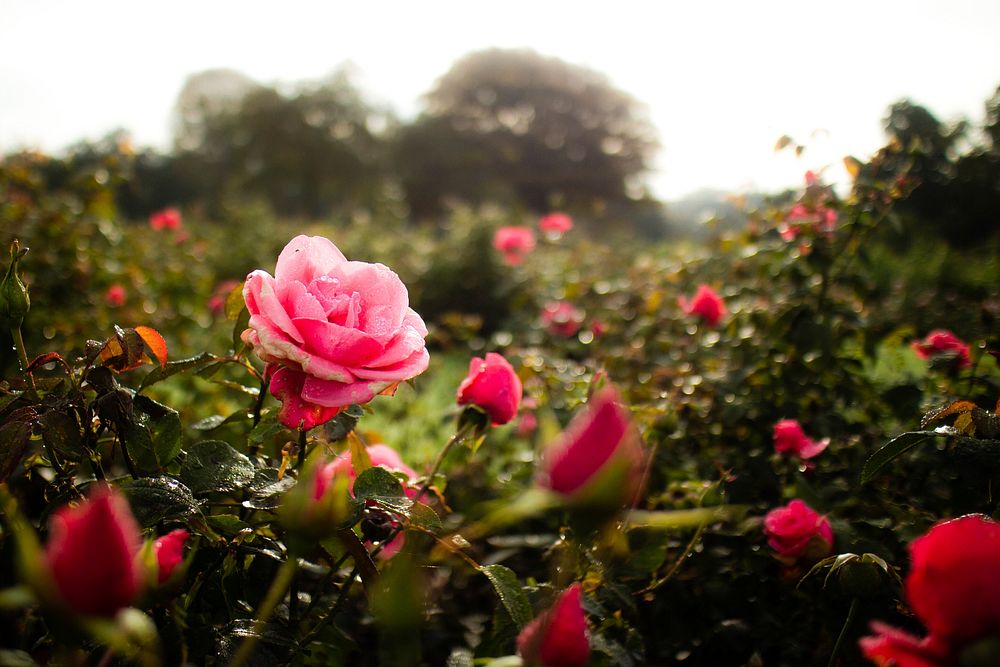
{"x": 91, "y": 554}
{"x": 953, "y": 587}
{"x": 555, "y": 223}
{"x": 562, "y": 318}
{"x": 598, "y": 459}
{"x": 287, "y": 386}
{"x": 789, "y": 438}
{"x": 705, "y": 304}
{"x": 168, "y": 218}
{"x": 345, "y": 326}
{"x": 515, "y": 243}
{"x": 943, "y": 342}
{"x": 796, "y": 532}
{"x": 558, "y": 636}
{"x": 493, "y": 386}
{"x": 115, "y": 296}
{"x": 169, "y": 551}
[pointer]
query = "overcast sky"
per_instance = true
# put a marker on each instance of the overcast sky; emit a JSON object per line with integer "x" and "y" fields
{"x": 721, "y": 80}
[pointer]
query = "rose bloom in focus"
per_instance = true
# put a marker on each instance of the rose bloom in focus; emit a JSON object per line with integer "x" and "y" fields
{"x": 558, "y": 636}
{"x": 790, "y": 439}
{"x": 943, "y": 342}
{"x": 493, "y": 386}
{"x": 797, "y": 533}
{"x": 515, "y": 243}
{"x": 954, "y": 588}
{"x": 705, "y": 304}
{"x": 333, "y": 332}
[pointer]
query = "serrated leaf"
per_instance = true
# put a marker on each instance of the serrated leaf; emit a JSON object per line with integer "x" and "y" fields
{"x": 511, "y": 594}
{"x": 267, "y": 427}
{"x": 153, "y": 435}
{"x": 175, "y": 367}
{"x": 214, "y": 466}
{"x": 338, "y": 427}
{"x": 894, "y": 448}
{"x": 154, "y": 342}
{"x": 226, "y": 525}
{"x": 156, "y": 499}
{"x": 14, "y": 437}
{"x": 415, "y": 514}
{"x": 377, "y": 482}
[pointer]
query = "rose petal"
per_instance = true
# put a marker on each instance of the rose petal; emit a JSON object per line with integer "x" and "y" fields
{"x": 306, "y": 257}
{"x": 260, "y": 294}
{"x": 337, "y": 344}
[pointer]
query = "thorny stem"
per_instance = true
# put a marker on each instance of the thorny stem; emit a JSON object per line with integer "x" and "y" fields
{"x": 22, "y": 355}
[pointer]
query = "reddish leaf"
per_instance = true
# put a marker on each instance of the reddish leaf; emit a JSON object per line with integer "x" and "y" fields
{"x": 43, "y": 359}
{"x": 950, "y": 409}
{"x": 154, "y": 343}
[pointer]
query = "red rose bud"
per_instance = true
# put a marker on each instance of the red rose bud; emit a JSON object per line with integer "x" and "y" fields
{"x": 954, "y": 588}
{"x": 941, "y": 342}
{"x": 493, "y": 386}
{"x": 169, "y": 551}
{"x": 789, "y": 438}
{"x": 797, "y": 533}
{"x": 91, "y": 554}
{"x": 705, "y": 304}
{"x": 287, "y": 386}
{"x": 557, "y": 637}
{"x": 598, "y": 459}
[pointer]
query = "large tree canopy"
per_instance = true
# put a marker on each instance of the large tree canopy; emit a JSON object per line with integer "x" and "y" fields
{"x": 515, "y": 123}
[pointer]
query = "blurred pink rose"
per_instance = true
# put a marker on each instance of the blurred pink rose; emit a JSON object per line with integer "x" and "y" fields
{"x": 562, "y": 318}
{"x": 954, "y": 588}
{"x": 217, "y": 302}
{"x": 943, "y": 342}
{"x": 515, "y": 243}
{"x": 168, "y": 218}
{"x": 492, "y": 385}
{"x": 343, "y": 329}
{"x": 598, "y": 459}
{"x": 92, "y": 551}
{"x": 705, "y": 304}
{"x": 796, "y": 532}
{"x": 169, "y": 551}
{"x": 555, "y": 223}
{"x": 115, "y": 296}
{"x": 789, "y": 438}
{"x": 558, "y": 636}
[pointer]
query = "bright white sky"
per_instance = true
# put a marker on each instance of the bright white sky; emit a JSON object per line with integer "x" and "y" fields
{"x": 721, "y": 80}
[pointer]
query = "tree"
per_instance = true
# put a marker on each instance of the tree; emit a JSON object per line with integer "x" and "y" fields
{"x": 537, "y": 129}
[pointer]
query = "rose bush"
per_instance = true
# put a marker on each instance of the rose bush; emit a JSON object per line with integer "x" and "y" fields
{"x": 342, "y": 329}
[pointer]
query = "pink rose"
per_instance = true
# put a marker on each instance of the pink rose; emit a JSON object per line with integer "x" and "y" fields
{"x": 168, "y": 218}
{"x": 706, "y": 304}
{"x": 562, "y": 318}
{"x": 598, "y": 459}
{"x": 789, "y": 438}
{"x": 953, "y": 587}
{"x": 169, "y": 551}
{"x": 943, "y": 342}
{"x": 797, "y": 532}
{"x": 557, "y": 637}
{"x": 115, "y": 296}
{"x": 217, "y": 302}
{"x": 287, "y": 386}
{"x": 493, "y": 386}
{"x": 345, "y": 326}
{"x": 515, "y": 243}
{"x": 555, "y": 223}
{"x": 91, "y": 554}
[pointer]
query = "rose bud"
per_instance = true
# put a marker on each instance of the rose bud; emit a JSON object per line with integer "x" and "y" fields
{"x": 943, "y": 343}
{"x": 558, "y": 636}
{"x": 286, "y": 385}
{"x": 954, "y": 588}
{"x": 705, "y": 304}
{"x": 598, "y": 459}
{"x": 493, "y": 386}
{"x": 91, "y": 554}
{"x": 347, "y": 326}
{"x": 797, "y": 533}
{"x": 789, "y": 438}
{"x": 169, "y": 552}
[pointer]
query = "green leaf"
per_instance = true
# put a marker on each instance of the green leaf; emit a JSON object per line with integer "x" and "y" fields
{"x": 242, "y": 322}
{"x": 895, "y": 447}
{"x": 338, "y": 427}
{"x": 153, "y": 436}
{"x": 208, "y": 423}
{"x": 377, "y": 482}
{"x": 156, "y": 499}
{"x": 14, "y": 436}
{"x": 416, "y": 514}
{"x": 61, "y": 432}
{"x": 683, "y": 519}
{"x": 174, "y": 367}
{"x": 212, "y": 465}
{"x": 265, "y": 429}
{"x": 226, "y": 524}
{"x": 511, "y": 594}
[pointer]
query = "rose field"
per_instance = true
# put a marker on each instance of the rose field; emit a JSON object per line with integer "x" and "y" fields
{"x": 512, "y": 437}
